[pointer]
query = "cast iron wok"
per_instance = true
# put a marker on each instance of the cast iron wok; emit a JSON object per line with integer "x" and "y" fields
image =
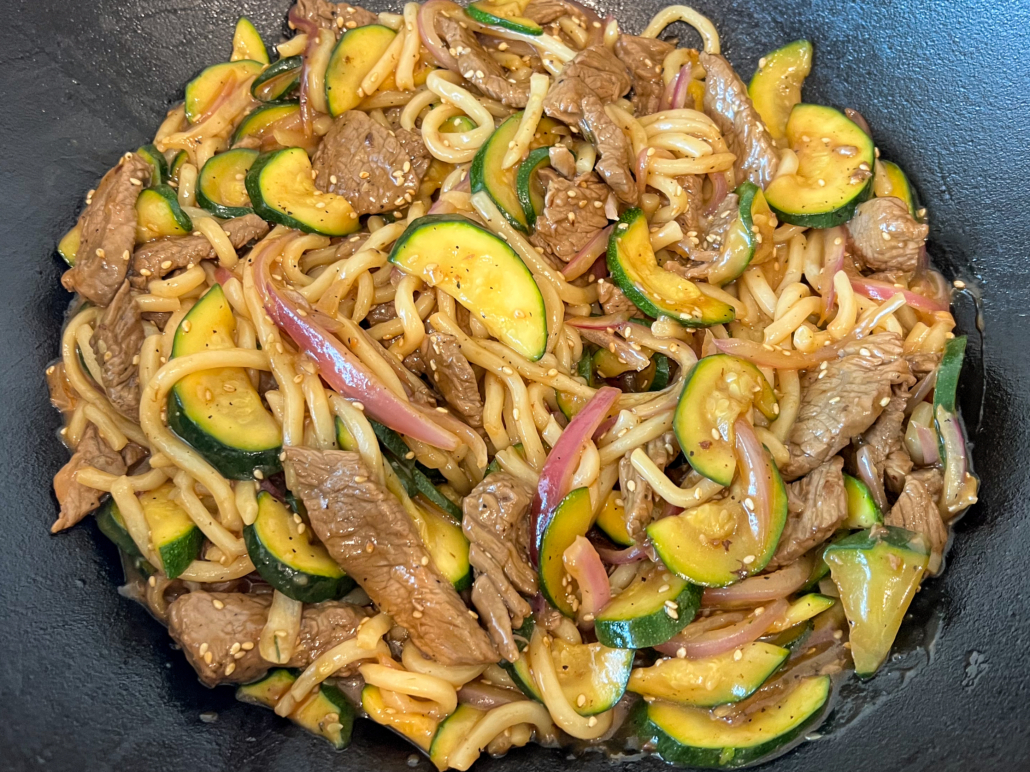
{"x": 89, "y": 681}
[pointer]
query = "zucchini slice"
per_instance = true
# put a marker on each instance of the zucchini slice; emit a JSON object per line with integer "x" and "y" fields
{"x": 158, "y": 214}
{"x": 487, "y": 175}
{"x": 662, "y": 372}
{"x": 719, "y": 389}
{"x": 793, "y": 638}
{"x": 287, "y": 559}
{"x": 112, "y": 525}
{"x": 527, "y": 184}
{"x": 776, "y": 87}
{"x": 877, "y": 573}
{"x": 457, "y": 124}
{"x": 835, "y": 165}
{"x": 68, "y": 246}
{"x": 519, "y": 669}
{"x": 711, "y": 681}
{"x": 352, "y": 59}
{"x": 282, "y": 191}
{"x": 504, "y": 14}
{"x": 572, "y": 517}
{"x": 174, "y": 534}
{"x": 327, "y": 713}
{"x": 890, "y": 180}
{"x": 481, "y": 272}
{"x": 946, "y": 389}
{"x": 448, "y": 547}
{"x": 612, "y": 520}
{"x": 279, "y": 81}
{"x": 452, "y": 732}
{"x": 259, "y": 123}
{"x": 247, "y": 43}
{"x": 862, "y": 509}
{"x": 219, "y": 412}
{"x": 418, "y": 728}
{"x": 715, "y": 544}
{"x": 655, "y": 291}
{"x": 802, "y": 610}
{"x": 651, "y": 610}
{"x": 750, "y": 235}
{"x": 204, "y": 90}
{"x": 695, "y": 737}
{"x": 180, "y": 158}
{"x": 593, "y": 676}
{"x": 156, "y": 159}
{"x": 222, "y": 189}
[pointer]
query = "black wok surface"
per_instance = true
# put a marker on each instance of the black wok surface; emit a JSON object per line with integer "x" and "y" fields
{"x": 89, "y": 681}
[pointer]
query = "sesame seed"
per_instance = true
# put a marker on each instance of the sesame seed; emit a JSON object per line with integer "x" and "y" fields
{"x": 247, "y": 645}
{"x": 203, "y": 647}
{"x": 748, "y": 560}
{"x": 217, "y": 604}
{"x": 738, "y": 655}
{"x": 208, "y": 657}
{"x": 235, "y": 647}
{"x": 259, "y": 475}
{"x": 370, "y": 548}
{"x": 959, "y": 284}
{"x": 885, "y": 401}
{"x": 663, "y": 588}
{"x": 715, "y": 434}
{"x": 681, "y": 652}
{"x": 230, "y": 668}
{"x": 864, "y": 352}
{"x": 581, "y": 700}
{"x": 425, "y": 560}
{"x": 592, "y": 721}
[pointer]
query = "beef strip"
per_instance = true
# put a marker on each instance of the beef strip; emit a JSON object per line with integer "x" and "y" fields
{"x": 383, "y": 312}
{"x": 156, "y": 259}
{"x": 917, "y": 511}
{"x": 562, "y": 161}
{"x": 392, "y": 163}
{"x": 548, "y": 11}
{"x": 366, "y": 530}
{"x": 334, "y": 16}
{"x": 440, "y": 359}
{"x": 601, "y": 71}
{"x": 116, "y": 343}
{"x": 210, "y": 625}
{"x": 496, "y": 523}
{"x": 76, "y": 499}
{"x": 885, "y": 236}
{"x": 885, "y": 439}
{"x": 728, "y": 104}
{"x": 931, "y": 478}
{"x": 923, "y": 363}
{"x": 571, "y": 101}
{"x": 479, "y": 68}
{"x": 818, "y": 504}
{"x": 842, "y": 398}
{"x": 108, "y": 228}
{"x": 62, "y": 395}
{"x": 613, "y": 300}
{"x": 637, "y": 496}
{"x": 644, "y": 57}
{"x": 573, "y": 213}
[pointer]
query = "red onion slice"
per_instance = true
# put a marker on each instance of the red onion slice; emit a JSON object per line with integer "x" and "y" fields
{"x": 670, "y": 89}
{"x": 341, "y": 369}
{"x": 756, "y": 472}
{"x": 760, "y": 589}
{"x": 711, "y": 643}
{"x": 956, "y": 462}
{"x": 778, "y": 358}
{"x": 584, "y": 565}
{"x": 614, "y": 557}
{"x": 881, "y": 290}
{"x": 617, "y": 346}
{"x": 929, "y": 452}
{"x": 584, "y": 260}
{"x": 868, "y": 473}
{"x": 834, "y": 241}
{"x": 557, "y": 471}
{"x": 720, "y": 189}
{"x": 858, "y": 118}
{"x": 427, "y": 31}
{"x": 679, "y": 93}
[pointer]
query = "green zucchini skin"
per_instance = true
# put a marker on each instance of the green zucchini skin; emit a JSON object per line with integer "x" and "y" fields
{"x": 524, "y": 182}
{"x": 946, "y": 389}
{"x": 478, "y": 12}
{"x": 109, "y": 521}
{"x": 862, "y": 509}
{"x": 236, "y": 159}
{"x": 486, "y": 174}
{"x": 283, "y": 92}
{"x": 652, "y": 628}
{"x": 232, "y": 463}
{"x": 157, "y": 161}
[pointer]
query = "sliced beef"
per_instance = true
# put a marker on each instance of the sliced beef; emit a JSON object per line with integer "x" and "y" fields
{"x": 440, "y": 359}
{"x": 76, "y": 499}
{"x": 479, "y": 68}
{"x": 496, "y": 523}
{"x": 108, "y": 227}
{"x": 371, "y": 166}
{"x": 885, "y": 236}
{"x": 601, "y": 71}
{"x": 334, "y": 16}
{"x": 562, "y": 161}
{"x": 219, "y": 632}
{"x": 727, "y": 103}
{"x": 573, "y": 213}
{"x": 842, "y": 398}
{"x": 885, "y": 440}
{"x": 923, "y": 363}
{"x": 547, "y": 11}
{"x": 917, "y": 511}
{"x": 367, "y": 532}
{"x": 116, "y": 343}
{"x": 384, "y": 312}
{"x": 62, "y": 395}
{"x": 613, "y": 300}
{"x": 932, "y": 480}
{"x": 156, "y": 259}
{"x": 818, "y": 504}
{"x": 574, "y": 103}
{"x": 644, "y": 57}
{"x": 637, "y": 496}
